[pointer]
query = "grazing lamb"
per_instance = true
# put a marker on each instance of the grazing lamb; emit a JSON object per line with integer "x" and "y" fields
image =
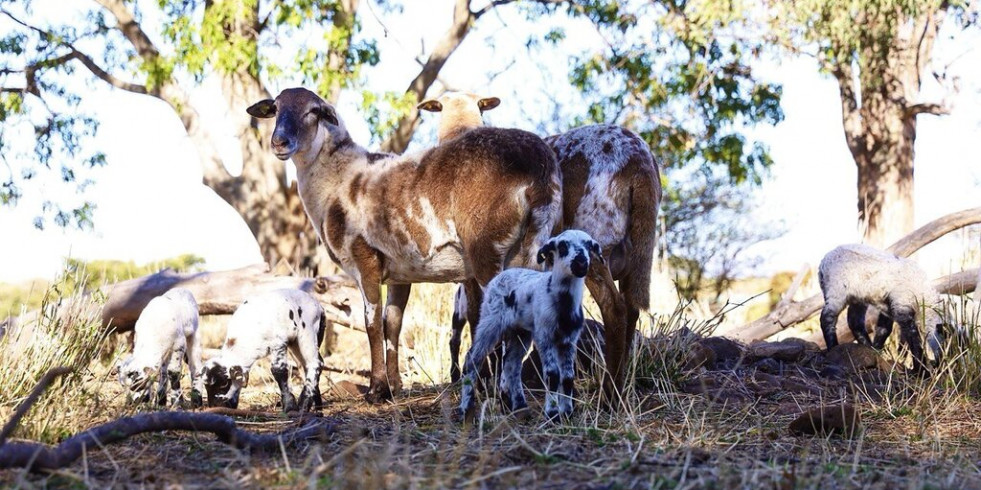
{"x": 165, "y": 334}
{"x": 859, "y": 276}
{"x": 270, "y": 323}
{"x": 457, "y": 213}
{"x": 611, "y": 189}
{"x": 521, "y": 306}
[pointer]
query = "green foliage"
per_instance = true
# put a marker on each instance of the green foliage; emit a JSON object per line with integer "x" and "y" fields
{"x": 677, "y": 74}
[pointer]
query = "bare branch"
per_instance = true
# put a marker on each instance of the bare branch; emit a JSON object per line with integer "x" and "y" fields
{"x": 106, "y": 76}
{"x": 927, "y": 108}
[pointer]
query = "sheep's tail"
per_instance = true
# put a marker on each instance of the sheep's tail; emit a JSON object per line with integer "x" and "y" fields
{"x": 544, "y": 217}
{"x": 645, "y": 199}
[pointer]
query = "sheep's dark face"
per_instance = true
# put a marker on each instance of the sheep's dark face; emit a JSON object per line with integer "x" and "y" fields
{"x": 304, "y": 123}
{"x": 223, "y": 384}
{"x": 137, "y": 379}
{"x": 570, "y": 253}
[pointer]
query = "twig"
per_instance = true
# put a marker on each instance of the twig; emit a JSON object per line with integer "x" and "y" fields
{"x": 31, "y": 400}
{"x": 38, "y": 457}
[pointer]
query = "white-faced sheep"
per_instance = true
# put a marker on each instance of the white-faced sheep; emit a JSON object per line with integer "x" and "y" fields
{"x": 611, "y": 189}
{"x": 165, "y": 335}
{"x": 461, "y": 111}
{"x": 269, "y": 324}
{"x": 459, "y": 212}
{"x": 523, "y": 305}
{"x": 859, "y": 276}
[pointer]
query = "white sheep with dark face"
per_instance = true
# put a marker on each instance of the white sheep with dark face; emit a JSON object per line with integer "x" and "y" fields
{"x": 859, "y": 276}
{"x": 269, "y": 324}
{"x": 165, "y": 335}
{"x": 523, "y": 305}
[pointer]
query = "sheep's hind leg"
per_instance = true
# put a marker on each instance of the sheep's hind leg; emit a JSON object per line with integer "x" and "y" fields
{"x": 512, "y": 393}
{"x": 856, "y": 323}
{"x": 614, "y": 312}
{"x": 398, "y": 297}
{"x": 281, "y": 373}
{"x": 310, "y": 394}
{"x": 883, "y": 328}
{"x": 487, "y": 337}
{"x": 829, "y": 317}
{"x": 459, "y": 320}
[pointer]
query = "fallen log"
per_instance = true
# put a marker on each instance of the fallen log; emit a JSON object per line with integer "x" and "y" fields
{"x": 795, "y": 312}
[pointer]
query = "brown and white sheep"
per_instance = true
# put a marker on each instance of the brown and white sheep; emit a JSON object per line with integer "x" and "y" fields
{"x": 457, "y": 213}
{"x": 611, "y": 189}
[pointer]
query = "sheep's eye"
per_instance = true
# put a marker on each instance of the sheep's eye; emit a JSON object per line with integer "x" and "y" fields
{"x": 563, "y": 249}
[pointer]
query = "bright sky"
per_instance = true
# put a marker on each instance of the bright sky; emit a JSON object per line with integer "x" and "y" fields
{"x": 152, "y": 205}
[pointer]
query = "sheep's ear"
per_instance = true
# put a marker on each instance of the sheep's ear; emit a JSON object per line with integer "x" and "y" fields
{"x": 545, "y": 253}
{"x": 263, "y": 109}
{"x": 431, "y": 105}
{"x": 595, "y": 248}
{"x": 488, "y": 103}
{"x": 326, "y": 113}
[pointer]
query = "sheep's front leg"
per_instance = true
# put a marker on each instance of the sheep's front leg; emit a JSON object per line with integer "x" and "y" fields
{"x": 398, "y": 297}
{"x": 614, "y": 312}
{"x": 163, "y": 375}
{"x": 196, "y": 368}
{"x": 281, "y": 373}
{"x": 856, "y": 323}
{"x": 174, "y": 377}
{"x": 512, "y": 393}
{"x": 829, "y": 319}
{"x": 906, "y": 318}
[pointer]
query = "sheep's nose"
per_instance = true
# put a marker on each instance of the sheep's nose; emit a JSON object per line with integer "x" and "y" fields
{"x": 579, "y": 265}
{"x": 280, "y": 140}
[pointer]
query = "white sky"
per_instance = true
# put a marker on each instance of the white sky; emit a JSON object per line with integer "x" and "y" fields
{"x": 152, "y": 205}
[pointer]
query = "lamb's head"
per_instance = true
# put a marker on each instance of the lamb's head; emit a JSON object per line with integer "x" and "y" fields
{"x": 305, "y": 123}
{"x": 137, "y": 378}
{"x": 569, "y": 253}
{"x": 224, "y": 383}
{"x": 461, "y": 111}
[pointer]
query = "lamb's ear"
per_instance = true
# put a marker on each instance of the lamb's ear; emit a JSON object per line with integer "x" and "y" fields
{"x": 263, "y": 109}
{"x": 431, "y": 105}
{"x": 488, "y": 103}
{"x": 596, "y": 250}
{"x": 326, "y": 113}
{"x": 545, "y": 253}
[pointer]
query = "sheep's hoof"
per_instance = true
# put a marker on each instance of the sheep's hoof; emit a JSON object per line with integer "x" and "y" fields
{"x": 454, "y": 374}
{"x": 378, "y": 393}
{"x": 196, "y": 400}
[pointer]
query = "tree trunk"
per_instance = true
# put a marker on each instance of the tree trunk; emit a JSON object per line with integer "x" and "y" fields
{"x": 879, "y": 110}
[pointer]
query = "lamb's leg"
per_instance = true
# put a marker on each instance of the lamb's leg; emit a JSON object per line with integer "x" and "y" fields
{"x": 459, "y": 320}
{"x": 553, "y": 378}
{"x": 398, "y": 297}
{"x": 488, "y": 335}
{"x": 906, "y": 318}
{"x": 614, "y": 311}
{"x": 829, "y": 317}
{"x": 174, "y": 376}
{"x": 883, "y": 328}
{"x": 308, "y": 356}
{"x": 566, "y": 354}
{"x": 475, "y": 296}
{"x": 512, "y": 393}
{"x": 281, "y": 373}
{"x": 162, "y": 377}
{"x": 856, "y": 322}
{"x": 196, "y": 368}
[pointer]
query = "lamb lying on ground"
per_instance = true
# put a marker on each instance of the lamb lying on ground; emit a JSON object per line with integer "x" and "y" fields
{"x": 859, "y": 276}
{"x": 269, "y": 324}
{"x": 521, "y": 305}
{"x": 165, "y": 334}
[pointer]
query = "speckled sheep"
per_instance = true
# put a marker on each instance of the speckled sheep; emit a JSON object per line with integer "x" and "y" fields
{"x": 269, "y": 324}
{"x": 165, "y": 335}
{"x": 859, "y": 276}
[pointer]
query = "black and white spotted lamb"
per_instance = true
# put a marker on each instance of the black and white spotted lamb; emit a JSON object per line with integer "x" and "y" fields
{"x": 523, "y": 305}
{"x": 859, "y": 276}
{"x": 270, "y": 324}
{"x": 165, "y": 335}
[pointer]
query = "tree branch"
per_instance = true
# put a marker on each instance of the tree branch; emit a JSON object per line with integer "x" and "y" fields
{"x": 106, "y": 76}
{"x": 40, "y": 458}
{"x": 927, "y": 108}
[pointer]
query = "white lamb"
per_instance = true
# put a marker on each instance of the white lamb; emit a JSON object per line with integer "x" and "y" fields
{"x": 859, "y": 276}
{"x": 165, "y": 333}
{"x": 269, "y": 324}
{"x": 522, "y": 305}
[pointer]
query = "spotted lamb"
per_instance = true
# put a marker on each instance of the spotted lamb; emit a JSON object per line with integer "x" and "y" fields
{"x": 165, "y": 335}
{"x": 270, "y": 324}
{"x": 523, "y": 305}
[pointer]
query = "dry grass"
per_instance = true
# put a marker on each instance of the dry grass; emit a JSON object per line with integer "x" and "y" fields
{"x": 918, "y": 433}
